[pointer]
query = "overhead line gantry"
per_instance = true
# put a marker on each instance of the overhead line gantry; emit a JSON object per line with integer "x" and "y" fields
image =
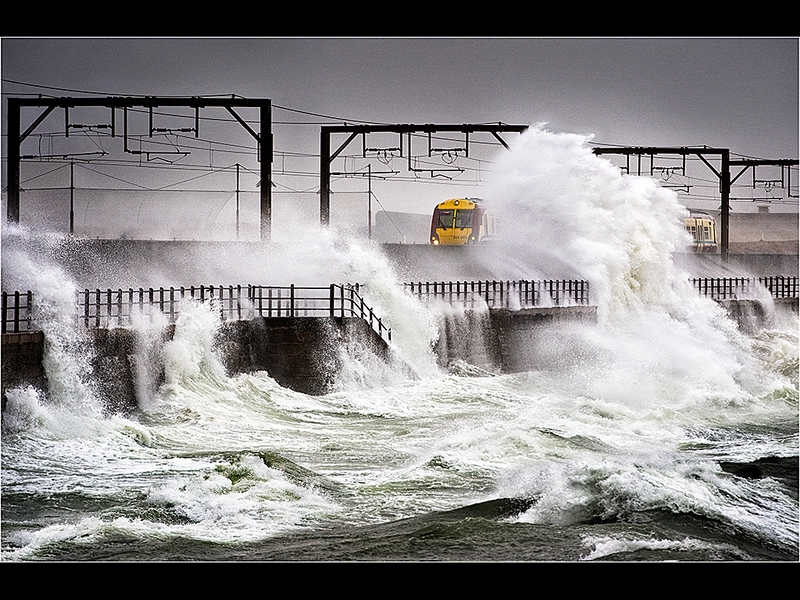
{"x": 723, "y": 174}
{"x": 326, "y": 157}
{"x": 263, "y": 138}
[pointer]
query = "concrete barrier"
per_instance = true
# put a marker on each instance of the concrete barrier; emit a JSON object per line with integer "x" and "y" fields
{"x": 22, "y": 355}
{"x": 300, "y": 353}
{"x": 508, "y": 341}
{"x": 753, "y": 316}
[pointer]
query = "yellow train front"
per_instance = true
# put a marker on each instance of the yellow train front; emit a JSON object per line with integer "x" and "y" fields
{"x": 461, "y": 221}
{"x": 703, "y": 230}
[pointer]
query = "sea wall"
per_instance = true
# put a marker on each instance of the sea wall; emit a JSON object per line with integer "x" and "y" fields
{"x": 305, "y": 353}
{"x": 21, "y": 355}
{"x": 300, "y": 353}
{"x": 753, "y": 316}
{"x": 508, "y": 341}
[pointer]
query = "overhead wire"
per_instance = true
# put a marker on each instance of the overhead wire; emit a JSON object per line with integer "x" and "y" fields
{"x": 190, "y": 143}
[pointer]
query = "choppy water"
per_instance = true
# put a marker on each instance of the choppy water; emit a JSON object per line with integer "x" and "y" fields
{"x": 659, "y": 433}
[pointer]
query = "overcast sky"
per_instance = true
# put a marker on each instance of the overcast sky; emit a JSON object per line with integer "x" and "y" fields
{"x": 736, "y": 93}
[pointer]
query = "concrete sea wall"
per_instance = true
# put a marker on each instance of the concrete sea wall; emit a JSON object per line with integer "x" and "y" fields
{"x": 304, "y": 353}
{"x": 22, "y": 360}
{"x": 506, "y": 341}
{"x": 300, "y": 353}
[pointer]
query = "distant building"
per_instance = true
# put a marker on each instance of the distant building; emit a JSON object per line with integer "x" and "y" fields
{"x": 764, "y": 232}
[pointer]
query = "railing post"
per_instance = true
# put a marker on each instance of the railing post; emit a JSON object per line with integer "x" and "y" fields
{"x": 108, "y": 307}
{"x": 239, "y": 302}
{"x": 16, "y": 312}
{"x": 29, "y": 310}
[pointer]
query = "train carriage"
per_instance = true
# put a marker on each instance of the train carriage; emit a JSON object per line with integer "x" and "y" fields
{"x": 703, "y": 230}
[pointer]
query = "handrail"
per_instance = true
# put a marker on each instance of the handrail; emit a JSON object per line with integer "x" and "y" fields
{"x": 505, "y": 294}
{"x": 16, "y": 311}
{"x": 108, "y": 308}
{"x": 740, "y": 288}
{"x": 104, "y": 308}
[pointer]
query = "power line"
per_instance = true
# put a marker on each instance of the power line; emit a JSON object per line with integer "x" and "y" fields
{"x": 91, "y": 93}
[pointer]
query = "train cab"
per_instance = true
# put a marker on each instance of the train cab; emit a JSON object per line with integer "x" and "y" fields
{"x": 462, "y": 221}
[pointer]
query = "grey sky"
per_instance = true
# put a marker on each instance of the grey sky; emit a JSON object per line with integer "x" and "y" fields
{"x": 736, "y": 93}
{"x": 739, "y": 93}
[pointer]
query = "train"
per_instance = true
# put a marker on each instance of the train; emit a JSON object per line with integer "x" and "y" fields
{"x": 703, "y": 230}
{"x": 462, "y": 221}
{"x": 467, "y": 221}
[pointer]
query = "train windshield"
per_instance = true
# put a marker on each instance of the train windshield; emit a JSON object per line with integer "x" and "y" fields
{"x": 445, "y": 220}
{"x": 463, "y": 219}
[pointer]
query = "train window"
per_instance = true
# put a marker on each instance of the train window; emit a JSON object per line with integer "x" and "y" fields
{"x": 445, "y": 220}
{"x": 463, "y": 219}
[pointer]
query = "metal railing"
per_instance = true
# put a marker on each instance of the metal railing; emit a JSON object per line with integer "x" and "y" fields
{"x": 17, "y": 311}
{"x": 109, "y": 308}
{"x": 120, "y": 308}
{"x": 505, "y": 294}
{"x": 741, "y": 288}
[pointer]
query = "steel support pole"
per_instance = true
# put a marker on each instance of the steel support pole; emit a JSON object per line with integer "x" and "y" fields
{"x": 725, "y": 206}
{"x": 12, "y": 164}
{"x": 325, "y": 177}
{"x": 266, "y": 170}
{"x": 72, "y": 197}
